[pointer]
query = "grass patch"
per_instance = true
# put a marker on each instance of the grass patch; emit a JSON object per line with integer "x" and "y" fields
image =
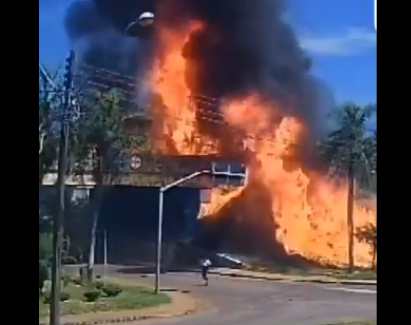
{"x": 129, "y": 298}
{"x": 340, "y": 274}
{"x": 356, "y": 275}
{"x": 356, "y": 323}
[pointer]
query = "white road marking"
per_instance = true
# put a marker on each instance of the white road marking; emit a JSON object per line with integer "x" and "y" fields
{"x": 355, "y": 290}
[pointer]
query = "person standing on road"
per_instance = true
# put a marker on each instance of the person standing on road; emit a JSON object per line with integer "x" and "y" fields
{"x": 205, "y": 267}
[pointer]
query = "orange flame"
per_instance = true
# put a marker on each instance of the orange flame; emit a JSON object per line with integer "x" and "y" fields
{"x": 308, "y": 210}
{"x": 219, "y": 197}
{"x": 176, "y": 122}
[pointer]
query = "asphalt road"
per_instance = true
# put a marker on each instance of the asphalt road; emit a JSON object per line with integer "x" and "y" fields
{"x": 252, "y": 302}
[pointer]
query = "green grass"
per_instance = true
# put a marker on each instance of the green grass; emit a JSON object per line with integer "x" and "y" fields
{"x": 357, "y": 323}
{"x": 357, "y": 275}
{"x": 341, "y": 274}
{"x": 130, "y": 298}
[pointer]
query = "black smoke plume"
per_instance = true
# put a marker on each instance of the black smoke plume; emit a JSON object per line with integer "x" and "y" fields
{"x": 96, "y": 40}
{"x": 101, "y": 46}
{"x": 246, "y": 46}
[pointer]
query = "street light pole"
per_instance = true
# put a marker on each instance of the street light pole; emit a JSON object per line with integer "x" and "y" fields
{"x": 226, "y": 172}
{"x": 159, "y": 240}
{"x": 160, "y": 221}
{"x": 61, "y": 180}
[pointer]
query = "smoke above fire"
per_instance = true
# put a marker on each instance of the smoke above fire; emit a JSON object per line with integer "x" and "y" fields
{"x": 96, "y": 31}
{"x": 96, "y": 41}
{"x": 244, "y": 46}
{"x": 231, "y": 80}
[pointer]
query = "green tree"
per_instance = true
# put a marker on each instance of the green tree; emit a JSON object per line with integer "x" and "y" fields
{"x": 352, "y": 154}
{"x": 102, "y": 147}
{"x": 48, "y": 99}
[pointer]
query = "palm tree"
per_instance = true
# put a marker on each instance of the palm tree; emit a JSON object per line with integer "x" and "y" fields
{"x": 352, "y": 154}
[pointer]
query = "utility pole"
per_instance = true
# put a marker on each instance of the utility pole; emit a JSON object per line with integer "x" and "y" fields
{"x": 61, "y": 182}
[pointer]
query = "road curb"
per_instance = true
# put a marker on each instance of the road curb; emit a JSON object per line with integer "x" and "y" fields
{"x": 300, "y": 280}
{"x": 196, "y": 305}
{"x": 345, "y": 282}
{"x": 127, "y": 319}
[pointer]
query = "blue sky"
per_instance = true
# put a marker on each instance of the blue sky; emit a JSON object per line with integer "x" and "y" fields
{"x": 339, "y": 35}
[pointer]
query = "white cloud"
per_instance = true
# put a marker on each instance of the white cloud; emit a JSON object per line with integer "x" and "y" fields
{"x": 352, "y": 42}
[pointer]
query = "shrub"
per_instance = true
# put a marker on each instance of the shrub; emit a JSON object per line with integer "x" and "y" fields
{"x": 112, "y": 290}
{"x": 64, "y": 296}
{"x": 92, "y": 295}
{"x": 99, "y": 285}
{"x": 77, "y": 281}
{"x": 43, "y": 273}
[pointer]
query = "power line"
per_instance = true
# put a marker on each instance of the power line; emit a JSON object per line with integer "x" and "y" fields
{"x": 209, "y": 115}
{"x": 107, "y": 71}
{"x": 208, "y": 110}
{"x": 111, "y": 75}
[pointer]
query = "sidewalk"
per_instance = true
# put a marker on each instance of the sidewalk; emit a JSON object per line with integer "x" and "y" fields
{"x": 181, "y": 305}
{"x": 246, "y": 274}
